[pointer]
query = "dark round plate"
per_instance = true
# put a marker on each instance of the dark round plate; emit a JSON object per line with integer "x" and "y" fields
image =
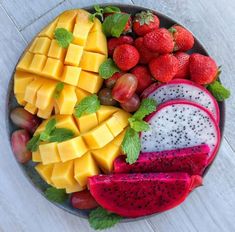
{"x": 28, "y": 168}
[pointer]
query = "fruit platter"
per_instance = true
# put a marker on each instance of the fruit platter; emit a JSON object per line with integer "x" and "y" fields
{"x": 115, "y": 112}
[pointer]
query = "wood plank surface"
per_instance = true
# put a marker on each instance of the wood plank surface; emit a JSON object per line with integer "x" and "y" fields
{"x": 209, "y": 208}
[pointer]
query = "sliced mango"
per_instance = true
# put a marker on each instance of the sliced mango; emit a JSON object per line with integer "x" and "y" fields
{"x": 31, "y": 108}
{"x": 71, "y": 75}
{"x": 46, "y": 113}
{"x": 97, "y": 26}
{"x": 53, "y": 68}
{"x": 48, "y": 31}
{"x": 56, "y": 51}
{"x": 81, "y": 94}
{"x": 105, "y": 112}
{"x": 118, "y": 140}
{"x": 87, "y": 122}
{"x": 37, "y": 63}
{"x": 45, "y": 171}
{"x": 25, "y": 61}
{"x": 122, "y": 117}
{"x": 74, "y": 54}
{"x": 114, "y": 126}
{"x": 49, "y": 153}
{"x": 74, "y": 188}
{"x": 20, "y": 99}
{"x": 42, "y": 45}
{"x": 36, "y": 157}
{"x": 21, "y": 81}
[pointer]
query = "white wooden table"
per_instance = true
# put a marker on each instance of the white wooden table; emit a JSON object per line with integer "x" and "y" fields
{"x": 210, "y": 208}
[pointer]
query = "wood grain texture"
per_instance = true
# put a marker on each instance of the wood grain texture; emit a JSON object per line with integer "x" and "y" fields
{"x": 209, "y": 208}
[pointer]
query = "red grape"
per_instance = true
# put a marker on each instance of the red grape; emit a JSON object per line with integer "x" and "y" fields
{"x": 132, "y": 104}
{"x": 83, "y": 200}
{"x": 19, "y": 140}
{"x": 125, "y": 87}
{"x": 105, "y": 97}
{"x": 112, "y": 80}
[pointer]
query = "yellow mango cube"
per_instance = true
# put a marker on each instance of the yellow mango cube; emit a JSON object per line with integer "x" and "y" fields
{"x": 31, "y": 90}
{"x": 80, "y": 33}
{"x": 71, "y": 75}
{"x": 118, "y": 140}
{"x": 96, "y": 42}
{"x": 114, "y": 126}
{"x": 25, "y": 61}
{"x": 46, "y": 113}
{"x": 20, "y": 98}
{"x": 36, "y": 157}
{"x": 98, "y": 137}
{"x": 68, "y": 16}
{"x": 84, "y": 167}
{"x": 97, "y": 26}
{"x": 74, "y": 188}
{"x": 63, "y": 175}
{"x": 21, "y": 81}
{"x": 87, "y": 122}
{"x": 72, "y": 148}
{"x": 45, "y": 171}
{"x": 66, "y": 25}
{"x": 83, "y": 17}
{"x": 96, "y": 58}
{"x": 66, "y": 121}
{"x": 55, "y": 51}
{"x": 105, "y": 112}
{"x": 81, "y": 94}
{"x": 48, "y": 31}
{"x": 106, "y": 156}
{"x": 37, "y": 63}
{"x": 67, "y": 100}
{"x": 122, "y": 116}
{"x": 91, "y": 82}
{"x": 49, "y": 153}
{"x": 32, "y": 45}
{"x": 42, "y": 45}
{"x": 74, "y": 54}
{"x": 31, "y": 108}
{"x": 45, "y": 94}
{"x": 53, "y": 68}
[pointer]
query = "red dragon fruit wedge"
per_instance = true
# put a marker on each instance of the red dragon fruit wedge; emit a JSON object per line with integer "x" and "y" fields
{"x": 180, "y": 124}
{"x": 135, "y": 195}
{"x": 192, "y": 160}
{"x": 186, "y": 90}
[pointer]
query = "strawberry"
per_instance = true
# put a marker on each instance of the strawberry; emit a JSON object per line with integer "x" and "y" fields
{"x": 203, "y": 69}
{"x": 159, "y": 40}
{"x": 144, "y": 22}
{"x": 183, "y": 38}
{"x": 183, "y": 71}
{"x": 114, "y": 42}
{"x": 164, "y": 67}
{"x": 145, "y": 54}
{"x": 143, "y": 76}
{"x": 110, "y": 82}
{"x": 126, "y": 56}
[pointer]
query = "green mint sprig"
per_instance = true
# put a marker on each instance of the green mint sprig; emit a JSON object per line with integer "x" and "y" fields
{"x": 114, "y": 24}
{"x": 99, "y": 12}
{"x": 58, "y": 89}
{"x": 218, "y": 91}
{"x": 56, "y": 195}
{"x": 131, "y": 145}
{"x": 100, "y": 219}
{"x": 108, "y": 68}
{"x": 63, "y": 37}
{"x": 87, "y": 105}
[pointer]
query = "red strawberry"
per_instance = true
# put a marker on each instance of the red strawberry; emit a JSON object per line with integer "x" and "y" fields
{"x": 144, "y": 22}
{"x": 164, "y": 67}
{"x": 126, "y": 56}
{"x": 145, "y": 54}
{"x": 159, "y": 40}
{"x": 112, "y": 80}
{"x": 143, "y": 76}
{"x": 114, "y": 42}
{"x": 183, "y": 38}
{"x": 203, "y": 69}
{"x": 183, "y": 71}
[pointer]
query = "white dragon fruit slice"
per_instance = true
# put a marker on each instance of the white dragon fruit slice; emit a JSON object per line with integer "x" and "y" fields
{"x": 185, "y": 90}
{"x": 179, "y": 124}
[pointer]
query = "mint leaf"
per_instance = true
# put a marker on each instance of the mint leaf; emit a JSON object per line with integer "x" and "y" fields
{"x": 56, "y": 195}
{"x": 33, "y": 143}
{"x": 63, "y": 37}
{"x": 147, "y": 106}
{"x": 100, "y": 219}
{"x": 114, "y": 24}
{"x": 60, "y": 135}
{"x": 50, "y": 126}
{"x": 58, "y": 89}
{"x": 138, "y": 125}
{"x": 218, "y": 91}
{"x": 108, "y": 68}
{"x": 131, "y": 145}
{"x": 111, "y": 9}
{"x": 87, "y": 105}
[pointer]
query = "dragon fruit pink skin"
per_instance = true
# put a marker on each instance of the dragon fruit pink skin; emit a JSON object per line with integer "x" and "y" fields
{"x": 191, "y": 160}
{"x": 135, "y": 195}
{"x": 180, "y": 124}
{"x": 185, "y": 90}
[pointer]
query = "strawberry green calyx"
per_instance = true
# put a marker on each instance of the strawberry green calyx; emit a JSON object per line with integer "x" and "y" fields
{"x": 172, "y": 30}
{"x": 144, "y": 17}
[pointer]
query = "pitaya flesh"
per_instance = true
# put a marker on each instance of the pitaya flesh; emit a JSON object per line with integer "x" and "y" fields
{"x": 180, "y": 124}
{"x": 184, "y": 90}
{"x": 192, "y": 160}
{"x": 135, "y": 195}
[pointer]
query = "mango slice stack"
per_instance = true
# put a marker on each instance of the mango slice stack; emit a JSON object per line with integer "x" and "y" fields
{"x": 44, "y": 64}
{"x": 97, "y": 142}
